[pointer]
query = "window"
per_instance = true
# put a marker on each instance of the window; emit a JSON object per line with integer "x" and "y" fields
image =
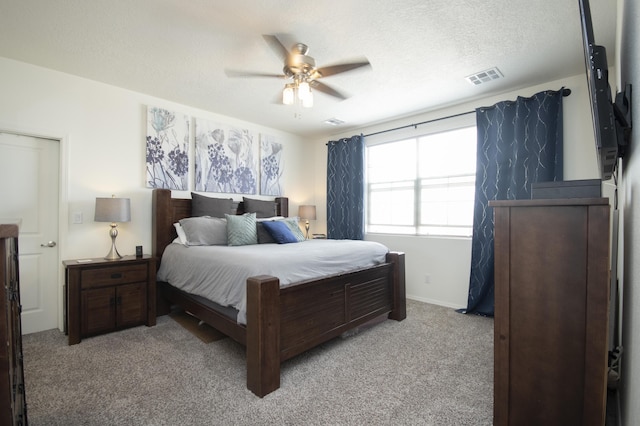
{"x": 422, "y": 185}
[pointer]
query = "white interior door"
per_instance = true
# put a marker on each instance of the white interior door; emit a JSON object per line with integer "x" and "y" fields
{"x": 29, "y": 179}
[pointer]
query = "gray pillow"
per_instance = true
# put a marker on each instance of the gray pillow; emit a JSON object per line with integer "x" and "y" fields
{"x": 264, "y": 237}
{"x": 242, "y": 230}
{"x": 209, "y": 206}
{"x": 261, "y": 208}
{"x": 205, "y": 231}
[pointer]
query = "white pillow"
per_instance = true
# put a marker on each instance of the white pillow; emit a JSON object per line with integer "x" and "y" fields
{"x": 182, "y": 237}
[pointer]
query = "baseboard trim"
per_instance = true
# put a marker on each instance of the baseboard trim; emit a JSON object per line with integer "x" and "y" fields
{"x": 435, "y": 302}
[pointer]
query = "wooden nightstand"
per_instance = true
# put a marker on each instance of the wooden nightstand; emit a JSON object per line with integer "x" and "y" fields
{"x": 107, "y": 295}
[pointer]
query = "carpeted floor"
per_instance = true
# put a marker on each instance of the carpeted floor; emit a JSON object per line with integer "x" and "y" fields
{"x": 434, "y": 368}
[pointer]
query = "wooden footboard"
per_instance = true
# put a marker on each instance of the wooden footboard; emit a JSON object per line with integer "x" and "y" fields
{"x": 282, "y": 323}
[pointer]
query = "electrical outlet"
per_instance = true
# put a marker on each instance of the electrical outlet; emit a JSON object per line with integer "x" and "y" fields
{"x": 427, "y": 279}
{"x": 77, "y": 218}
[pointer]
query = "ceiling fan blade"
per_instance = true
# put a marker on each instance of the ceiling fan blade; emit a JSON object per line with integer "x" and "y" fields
{"x": 236, "y": 73}
{"x": 340, "y": 68}
{"x": 277, "y": 46}
{"x": 321, "y": 87}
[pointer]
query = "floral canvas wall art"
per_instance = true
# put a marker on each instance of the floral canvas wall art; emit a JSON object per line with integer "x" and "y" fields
{"x": 271, "y": 166}
{"x": 167, "y": 149}
{"x": 225, "y": 159}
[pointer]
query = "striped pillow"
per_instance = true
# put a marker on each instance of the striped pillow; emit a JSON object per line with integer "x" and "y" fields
{"x": 292, "y": 223}
{"x": 241, "y": 230}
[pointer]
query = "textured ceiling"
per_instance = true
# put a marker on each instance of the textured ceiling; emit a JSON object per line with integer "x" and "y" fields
{"x": 420, "y": 50}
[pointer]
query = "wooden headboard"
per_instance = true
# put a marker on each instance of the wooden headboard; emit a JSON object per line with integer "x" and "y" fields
{"x": 166, "y": 211}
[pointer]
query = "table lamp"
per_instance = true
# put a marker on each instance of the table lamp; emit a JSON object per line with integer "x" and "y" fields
{"x": 113, "y": 210}
{"x": 307, "y": 213}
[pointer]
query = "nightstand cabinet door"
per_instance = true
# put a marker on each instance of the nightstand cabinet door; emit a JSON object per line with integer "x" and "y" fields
{"x": 111, "y": 308}
{"x": 131, "y": 305}
{"x": 97, "y": 312}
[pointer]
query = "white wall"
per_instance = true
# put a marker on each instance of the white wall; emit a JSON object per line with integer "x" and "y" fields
{"x": 102, "y": 130}
{"x": 629, "y": 65}
{"x": 447, "y": 261}
{"x": 103, "y": 152}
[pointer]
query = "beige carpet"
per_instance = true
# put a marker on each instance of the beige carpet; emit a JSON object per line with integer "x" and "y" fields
{"x": 434, "y": 368}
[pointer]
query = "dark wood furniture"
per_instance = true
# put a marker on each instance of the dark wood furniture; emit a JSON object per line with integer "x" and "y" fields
{"x": 13, "y": 406}
{"x": 551, "y": 311}
{"x": 108, "y": 295}
{"x": 282, "y": 323}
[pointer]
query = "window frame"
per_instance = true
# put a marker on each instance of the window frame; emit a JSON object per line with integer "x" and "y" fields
{"x": 431, "y": 128}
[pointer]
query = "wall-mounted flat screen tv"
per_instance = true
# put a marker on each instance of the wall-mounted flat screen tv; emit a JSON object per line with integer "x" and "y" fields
{"x": 611, "y": 120}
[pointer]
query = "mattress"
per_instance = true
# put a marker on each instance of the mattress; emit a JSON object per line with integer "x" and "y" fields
{"x": 219, "y": 273}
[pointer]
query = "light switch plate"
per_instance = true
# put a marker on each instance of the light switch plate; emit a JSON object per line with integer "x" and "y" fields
{"x": 77, "y": 218}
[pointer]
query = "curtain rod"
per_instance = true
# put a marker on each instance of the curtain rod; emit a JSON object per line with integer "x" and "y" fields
{"x": 565, "y": 92}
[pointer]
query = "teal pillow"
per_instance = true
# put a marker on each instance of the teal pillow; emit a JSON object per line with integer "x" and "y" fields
{"x": 280, "y": 232}
{"x": 292, "y": 223}
{"x": 241, "y": 230}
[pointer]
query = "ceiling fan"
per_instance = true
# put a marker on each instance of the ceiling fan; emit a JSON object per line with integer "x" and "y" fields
{"x": 302, "y": 72}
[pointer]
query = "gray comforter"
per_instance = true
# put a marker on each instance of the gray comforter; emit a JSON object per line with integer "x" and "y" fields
{"x": 219, "y": 273}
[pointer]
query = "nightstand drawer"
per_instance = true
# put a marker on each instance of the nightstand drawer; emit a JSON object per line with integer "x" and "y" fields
{"x": 98, "y": 277}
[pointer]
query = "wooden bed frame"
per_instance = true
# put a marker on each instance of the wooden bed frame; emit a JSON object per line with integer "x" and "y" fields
{"x": 282, "y": 323}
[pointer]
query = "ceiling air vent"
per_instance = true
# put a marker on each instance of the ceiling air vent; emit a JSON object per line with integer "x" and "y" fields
{"x": 333, "y": 122}
{"x": 484, "y": 76}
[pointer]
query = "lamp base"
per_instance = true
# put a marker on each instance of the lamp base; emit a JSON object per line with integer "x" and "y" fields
{"x": 113, "y": 253}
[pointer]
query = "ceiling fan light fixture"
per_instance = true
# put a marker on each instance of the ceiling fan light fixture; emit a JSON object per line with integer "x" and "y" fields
{"x": 307, "y": 101}
{"x": 304, "y": 90}
{"x": 301, "y": 71}
{"x": 288, "y": 94}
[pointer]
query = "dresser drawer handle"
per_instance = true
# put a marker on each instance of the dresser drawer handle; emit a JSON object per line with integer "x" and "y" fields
{"x": 116, "y": 276}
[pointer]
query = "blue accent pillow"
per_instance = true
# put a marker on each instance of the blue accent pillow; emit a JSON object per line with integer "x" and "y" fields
{"x": 280, "y": 232}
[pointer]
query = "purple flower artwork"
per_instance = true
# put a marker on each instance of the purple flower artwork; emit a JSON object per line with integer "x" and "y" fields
{"x": 167, "y": 149}
{"x": 270, "y": 166}
{"x": 224, "y": 159}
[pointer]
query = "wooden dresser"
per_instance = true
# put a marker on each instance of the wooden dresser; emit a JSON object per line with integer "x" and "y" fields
{"x": 551, "y": 311}
{"x": 13, "y": 406}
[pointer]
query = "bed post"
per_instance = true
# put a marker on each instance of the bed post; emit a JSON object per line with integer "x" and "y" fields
{"x": 263, "y": 334}
{"x": 160, "y": 221}
{"x": 399, "y": 311}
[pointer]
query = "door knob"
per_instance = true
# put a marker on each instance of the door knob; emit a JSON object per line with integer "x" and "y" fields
{"x": 49, "y": 244}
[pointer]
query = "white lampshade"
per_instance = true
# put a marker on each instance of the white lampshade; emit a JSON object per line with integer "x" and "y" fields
{"x": 307, "y": 212}
{"x": 307, "y": 101}
{"x": 304, "y": 90}
{"x": 113, "y": 210}
{"x": 288, "y": 95}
